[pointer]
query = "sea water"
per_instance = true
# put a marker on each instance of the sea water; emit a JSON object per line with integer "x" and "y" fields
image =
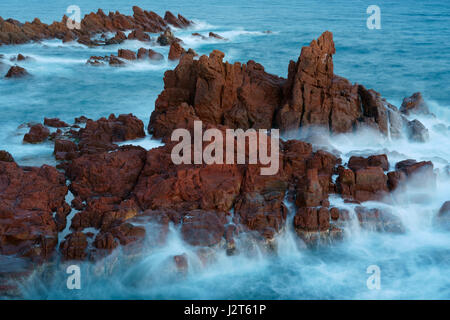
{"x": 409, "y": 53}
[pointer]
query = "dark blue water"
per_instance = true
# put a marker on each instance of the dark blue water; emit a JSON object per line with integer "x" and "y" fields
{"x": 410, "y": 53}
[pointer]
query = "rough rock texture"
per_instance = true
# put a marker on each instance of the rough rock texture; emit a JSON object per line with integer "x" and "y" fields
{"x": 203, "y": 228}
{"x": 238, "y": 96}
{"x": 108, "y": 174}
{"x": 138, "y": 34}
{"x": 245, "y": 96}
{"x": 126, "y": 54}
{"x": 38, "y": 133}
{"x": 28, "y": 199}
{"x": 365, "y": 180}
{"x": 381, "y": 160}
{"x": 15, "y": 32}
{"x": 176, "y": 51}
{"x": 101, "y": 135}
{"x": 74, "y": 246}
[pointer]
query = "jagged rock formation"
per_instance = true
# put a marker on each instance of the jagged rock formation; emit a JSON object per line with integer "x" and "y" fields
{"x": 245, "y": 96}
{"x": 15, "y": 32}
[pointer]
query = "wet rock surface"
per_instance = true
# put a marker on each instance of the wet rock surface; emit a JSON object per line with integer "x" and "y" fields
{"x": 142, "y": 21}
{"x": 116, "y": 189}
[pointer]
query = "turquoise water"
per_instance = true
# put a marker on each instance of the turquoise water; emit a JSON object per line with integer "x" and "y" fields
{"x": 410, "y": 53}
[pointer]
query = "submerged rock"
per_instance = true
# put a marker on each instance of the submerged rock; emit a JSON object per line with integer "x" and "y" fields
{"x": 417, "y": 131}
{"x": 443, "y": 216}
{"x": 16, "y": 72}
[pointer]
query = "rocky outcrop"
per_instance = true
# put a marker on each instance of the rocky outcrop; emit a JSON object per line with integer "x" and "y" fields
{"x": 237, "y": 96}
{"x": 15, "y": 32}
{"x": 101, "y": 135}
{"x": 28, "y": 200}
{"x": 245, "y": 96}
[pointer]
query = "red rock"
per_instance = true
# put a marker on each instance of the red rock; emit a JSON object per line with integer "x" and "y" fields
{"x": 370, "y": 184}
{"x": 153, "y": 55}
{"x": 55, "y": 122}
{"x": 414, "y": 104}
{"x": 116, "y": 62}
{"x": 6, "y": 156}
{"x": 237, "y": 96}
{"x": 163, "y": 184}
{"x": 176, "y": 51}
{"x": 180, "y": 22}
{"x": 106, "y": 241}
{"x": 28, "y": 199}
{"x": 106, "y": 174}
{"x": 203, "y": 228}
{"x": 142, "y": 53}
{"x": 126, "y": 54}
{"x": 138, "y": 34}
{"x": 216, "y": 36}
{"x": 38, "y": 133}
{"x": 410, "y": 167}
{"x": 196, "y": 34}
{"x": 243, "y": 96}
{"x": 74, "y": 246}
{"x": 128, "y": 234}
{"x": 314, "y": 228}
{"x": 16, "y": 72}
{"x": 381, "y": 161}
{"x": 65, "y": 150}
{"x": 100, "y": 135}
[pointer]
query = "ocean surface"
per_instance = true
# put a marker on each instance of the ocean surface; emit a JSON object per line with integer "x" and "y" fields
{"x": 410, "y": 53}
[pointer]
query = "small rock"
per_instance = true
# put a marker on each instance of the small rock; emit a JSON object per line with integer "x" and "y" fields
{"x": 38, "y": 133}
{"x": 55, "y": 123}
{"x": 16, "y": 72}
